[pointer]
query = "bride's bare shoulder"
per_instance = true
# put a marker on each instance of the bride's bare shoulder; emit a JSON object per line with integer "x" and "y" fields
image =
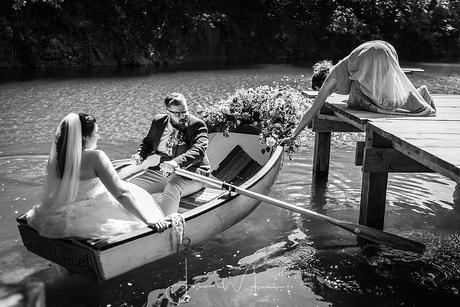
{"x": 93, "y": 152}
{"x": 94, "y": 155}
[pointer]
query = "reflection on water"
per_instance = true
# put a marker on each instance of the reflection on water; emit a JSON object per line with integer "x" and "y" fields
{"x": 26, "y": 170}
{"x": 272, "y": 258}
{"x": 123, "y": 106}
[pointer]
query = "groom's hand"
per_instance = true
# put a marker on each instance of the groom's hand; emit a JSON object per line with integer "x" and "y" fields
{"x": 168, "y": 167}
{"x": 136, "y": 159}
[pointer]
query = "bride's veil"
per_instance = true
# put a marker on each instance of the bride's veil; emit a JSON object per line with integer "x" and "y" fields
{"x": 63, "y": 170}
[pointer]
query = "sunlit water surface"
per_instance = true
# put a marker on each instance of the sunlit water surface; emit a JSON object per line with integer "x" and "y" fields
{"x": 273, "y": 257}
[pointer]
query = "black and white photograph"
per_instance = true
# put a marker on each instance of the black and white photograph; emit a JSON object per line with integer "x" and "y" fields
{"x": 220, "y": 153}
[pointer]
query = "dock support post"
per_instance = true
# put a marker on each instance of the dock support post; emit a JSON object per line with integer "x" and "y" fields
{"x": 374, "y": 188}
{"x": 321, "y": 156}
{"x": 323, "y": 125}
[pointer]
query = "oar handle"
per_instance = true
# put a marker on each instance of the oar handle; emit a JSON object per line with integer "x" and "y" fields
{"x": 127, "y": 167}
{"x": 207, "y": 180}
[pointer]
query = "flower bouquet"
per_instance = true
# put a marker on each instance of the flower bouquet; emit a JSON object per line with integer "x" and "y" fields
{"x": 271, "y": 112}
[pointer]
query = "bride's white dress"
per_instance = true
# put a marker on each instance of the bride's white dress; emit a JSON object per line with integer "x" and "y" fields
{"x": 95, "y": 213}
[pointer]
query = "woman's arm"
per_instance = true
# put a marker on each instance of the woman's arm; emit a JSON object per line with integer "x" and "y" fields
{"x": 109, "y": 177}
{"x": 326, "y": 89}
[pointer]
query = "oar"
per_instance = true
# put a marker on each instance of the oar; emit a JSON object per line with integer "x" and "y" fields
{"x": 126, "y": 167}
{"x": 369, "y": 233}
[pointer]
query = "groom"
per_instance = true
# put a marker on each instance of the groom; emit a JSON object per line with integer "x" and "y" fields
{"x": 181, "y": 140}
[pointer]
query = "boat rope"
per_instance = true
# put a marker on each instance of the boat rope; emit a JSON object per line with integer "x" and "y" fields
{"x": 177, "y": 293}
{"x": 176, "y": 238}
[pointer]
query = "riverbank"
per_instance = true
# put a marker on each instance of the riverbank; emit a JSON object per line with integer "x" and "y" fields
{"x": 82, "y": 34}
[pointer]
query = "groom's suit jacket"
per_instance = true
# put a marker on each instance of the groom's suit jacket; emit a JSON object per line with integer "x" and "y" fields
{"x": 189, "y": 153}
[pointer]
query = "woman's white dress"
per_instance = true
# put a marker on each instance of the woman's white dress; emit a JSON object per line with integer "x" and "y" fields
{"x": 95, "y": 213}
{"x": 374, "y": 81}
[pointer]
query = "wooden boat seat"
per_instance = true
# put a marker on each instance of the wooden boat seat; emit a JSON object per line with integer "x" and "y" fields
{"x": 236, "y": 167}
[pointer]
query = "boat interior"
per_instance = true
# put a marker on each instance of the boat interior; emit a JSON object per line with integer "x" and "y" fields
{"x": 234, "y": 159}
{"x": 236, "y": 168}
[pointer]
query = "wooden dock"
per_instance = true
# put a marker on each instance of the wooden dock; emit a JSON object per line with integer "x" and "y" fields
{"x": 393, "y": 143}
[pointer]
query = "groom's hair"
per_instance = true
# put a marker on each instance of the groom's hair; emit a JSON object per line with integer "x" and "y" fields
{"x": 175, "y": 99}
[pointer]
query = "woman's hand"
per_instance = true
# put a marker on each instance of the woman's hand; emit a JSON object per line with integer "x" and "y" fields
{"x": 160, "y": 225}
{"x": 287, "y": 141}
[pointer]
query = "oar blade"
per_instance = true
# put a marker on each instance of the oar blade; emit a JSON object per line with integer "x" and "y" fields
{"x": 385, "y": 238}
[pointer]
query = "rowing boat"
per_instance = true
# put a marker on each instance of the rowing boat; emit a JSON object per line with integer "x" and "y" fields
{"x": 238, "y": 158}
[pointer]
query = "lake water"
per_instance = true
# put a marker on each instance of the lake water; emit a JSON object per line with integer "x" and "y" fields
{"x": 273, "y": 257}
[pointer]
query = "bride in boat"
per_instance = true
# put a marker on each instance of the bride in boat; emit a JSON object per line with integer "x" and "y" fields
{"x": 83, "y": 196}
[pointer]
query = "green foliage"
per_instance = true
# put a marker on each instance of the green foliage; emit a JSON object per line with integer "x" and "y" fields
{"x": 272, "y": 111}
{"x": 19, "y": 4}
{"x": 417, "y": 28}
{"x": 345, "y": 21}
{"x": 163, "y": 32}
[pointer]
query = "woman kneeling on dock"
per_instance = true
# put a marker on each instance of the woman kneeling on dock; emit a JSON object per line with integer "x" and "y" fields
{"x": 375, "y": 82}
{"x": 83, "y": 196}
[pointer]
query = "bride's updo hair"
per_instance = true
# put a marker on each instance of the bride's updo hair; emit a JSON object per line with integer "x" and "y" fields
{"x": 87, "y": 124}
{"x": 68, "y": 130}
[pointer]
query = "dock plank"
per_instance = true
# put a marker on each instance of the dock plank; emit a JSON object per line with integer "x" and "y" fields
{"x": 442, "y": 114}
{"x": 447, "y": 107}
{"x": 432, "y": 141}
{"x": 440, "y": 154}
{"x": 446, "y": 100}
{"x": 422, "y": 142}
{"x": 419, "y": 126}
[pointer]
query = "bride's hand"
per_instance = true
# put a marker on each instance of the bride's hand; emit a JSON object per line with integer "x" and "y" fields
{"x": 160, "y": 225}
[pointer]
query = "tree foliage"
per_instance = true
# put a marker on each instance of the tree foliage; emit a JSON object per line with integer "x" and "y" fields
{"x": 19, "y": 4}
{"x": 128, "y": 32}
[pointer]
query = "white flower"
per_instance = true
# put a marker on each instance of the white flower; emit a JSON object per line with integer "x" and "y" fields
{"x": 270, "y": 142}
{"x": 226, "y": 110}
{"x": 279, "y": 102}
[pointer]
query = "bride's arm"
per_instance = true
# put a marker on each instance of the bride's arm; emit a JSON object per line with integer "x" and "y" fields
{"x": 109, "y": 177}
{"x": 326, "y": 89}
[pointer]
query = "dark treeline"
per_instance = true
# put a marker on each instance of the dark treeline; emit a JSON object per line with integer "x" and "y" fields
{"x": 83, "y": 33}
